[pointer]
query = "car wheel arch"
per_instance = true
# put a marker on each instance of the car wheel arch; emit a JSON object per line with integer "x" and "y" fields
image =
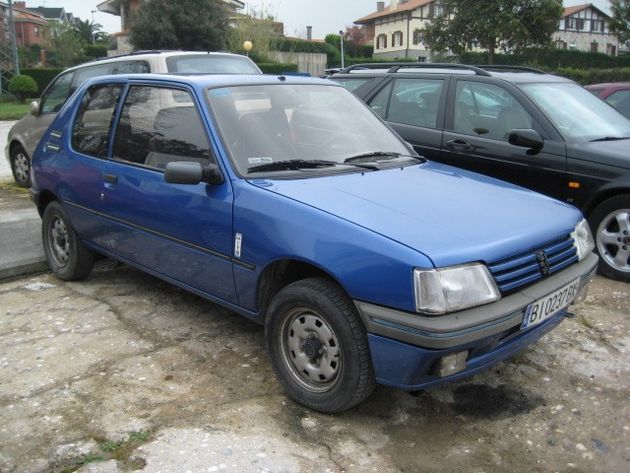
{"x": 603, "y": 196}
{"x": 282, "y": 272}
{"x": 44, "y": 199}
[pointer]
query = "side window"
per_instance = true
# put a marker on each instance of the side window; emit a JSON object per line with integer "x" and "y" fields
{"x": 352, "y": 84}
{"x": 415, "y": 102}
{"x": 488, "y": 110}
{"x": 159, "y": 125}
{"x": 379, "y": 102}
{"x": 57, "y": 94}
{"x": 90, "y": 134}
{"x": 130, "y": 67}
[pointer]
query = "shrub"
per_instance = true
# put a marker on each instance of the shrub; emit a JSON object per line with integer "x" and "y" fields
{"x": 95, "y": 51}
{"x": 595, "y": 76}
{"x": 551, "y": 59}
{"x": 22, "y": 86}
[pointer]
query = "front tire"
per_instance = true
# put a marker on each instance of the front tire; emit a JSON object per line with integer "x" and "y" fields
{"x": 68, "y": 259}
{"x": 610, "y": 224}
{"x": 20, "y": 166}
{"x": 318, "y": 346}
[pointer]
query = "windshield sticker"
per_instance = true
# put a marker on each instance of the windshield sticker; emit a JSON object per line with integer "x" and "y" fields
{"x": 261, "y": 160}
{"x": 220, "y": 92}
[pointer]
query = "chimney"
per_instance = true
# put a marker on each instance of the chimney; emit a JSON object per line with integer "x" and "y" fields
{"x": 20, "y": 5}
{"x": 309, "y": 33}
{"x": 380, "y": 6}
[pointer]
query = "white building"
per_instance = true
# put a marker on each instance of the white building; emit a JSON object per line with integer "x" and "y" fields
{"x": 585, "y": 28}
{"x": 398, "y": 28}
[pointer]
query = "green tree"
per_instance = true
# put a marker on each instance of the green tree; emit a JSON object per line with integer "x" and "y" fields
{"x": 66, "y": 46}
{"x": 198, "y": 25}
{"x": 620, "y": 21}
{"x": 509, "y": 25}
{"x": 88, "y": 31}
{"x": 22, "y": 87}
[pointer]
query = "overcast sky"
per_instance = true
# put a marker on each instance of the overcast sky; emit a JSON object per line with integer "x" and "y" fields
{"x": 326, "y": 16}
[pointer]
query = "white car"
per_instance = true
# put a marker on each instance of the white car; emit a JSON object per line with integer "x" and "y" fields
{"x": 25, "y": 134}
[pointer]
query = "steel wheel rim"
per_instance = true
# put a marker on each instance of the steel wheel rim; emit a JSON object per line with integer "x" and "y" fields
{"x": 21, "y": 166}
{"x": 302, "y": 331}
{"x": 59, "y": 242}
{"x": 613, "y": 240}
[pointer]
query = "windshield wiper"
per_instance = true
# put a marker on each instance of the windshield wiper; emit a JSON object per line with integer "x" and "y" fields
{"x": 611, "y": 138}
{"x": 292, "y": 165}
{"x": 382, "y": 155}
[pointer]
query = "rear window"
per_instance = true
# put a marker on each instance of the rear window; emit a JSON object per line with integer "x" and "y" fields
{"x": 210, "y": 64}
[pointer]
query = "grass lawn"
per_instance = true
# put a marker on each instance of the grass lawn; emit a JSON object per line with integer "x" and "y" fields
{"x": 13, "y": 111}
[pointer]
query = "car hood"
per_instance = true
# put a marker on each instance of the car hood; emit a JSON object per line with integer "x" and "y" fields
{"x": 450, "y": 215}
{"x": 610, "y": 153}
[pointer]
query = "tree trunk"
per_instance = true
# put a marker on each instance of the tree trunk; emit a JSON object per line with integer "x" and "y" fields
{"x": 491, "y": 54}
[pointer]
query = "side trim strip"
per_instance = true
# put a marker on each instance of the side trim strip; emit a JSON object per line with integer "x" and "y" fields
{"x": 194, "y": 246}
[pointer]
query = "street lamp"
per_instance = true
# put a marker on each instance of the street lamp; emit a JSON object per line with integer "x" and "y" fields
{"x": 247, "y": 46}
{"x": 93, "y": 33}
{"x": 343, "y": 63}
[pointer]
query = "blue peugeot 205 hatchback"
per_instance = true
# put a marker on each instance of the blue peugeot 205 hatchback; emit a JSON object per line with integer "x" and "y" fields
{"x": 288, "y": 201}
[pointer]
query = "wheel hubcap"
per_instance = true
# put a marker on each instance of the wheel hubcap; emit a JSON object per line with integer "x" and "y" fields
{"x": 613, "y": 239}
{"x": 311, "y": 350}
{"x": 21, "y": 167}
{"x": 59, "y": 242}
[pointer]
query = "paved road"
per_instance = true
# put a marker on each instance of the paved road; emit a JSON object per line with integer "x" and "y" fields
{"x": 131, "y": 373}
{"x": 5, "y": 169}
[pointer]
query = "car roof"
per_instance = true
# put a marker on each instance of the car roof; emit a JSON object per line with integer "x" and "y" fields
{"x": 610, "y": 85}
{"x": 517, "y": 74}
{"x": 149, "y": 54}
{"x": 214, "y": 80}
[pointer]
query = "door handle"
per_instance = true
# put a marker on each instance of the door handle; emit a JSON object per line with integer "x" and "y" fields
{"x": 110, "y": 178}
{"x": 458, "y": 145}
{"x": 52, "y": 147}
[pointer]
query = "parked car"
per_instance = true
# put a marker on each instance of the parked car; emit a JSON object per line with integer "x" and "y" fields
{"x": 616, "y": 94}
{"x": 287, "y": 201}
{"x": 26, "y": 133}
{"x": 537, "y": 130}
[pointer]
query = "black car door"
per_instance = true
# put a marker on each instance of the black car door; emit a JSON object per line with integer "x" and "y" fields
{"x": 480, "y": 116}
{"x": 413, "y": 105}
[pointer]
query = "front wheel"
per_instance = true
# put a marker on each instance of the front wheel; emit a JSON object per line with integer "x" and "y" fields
{"x": 68, "y": 259}
{"x": 318, "y": 346}
{"x": 610, "y": 223}
{"x": 20, "y": 166}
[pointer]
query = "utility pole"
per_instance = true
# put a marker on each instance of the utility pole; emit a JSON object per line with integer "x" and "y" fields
{"x": 343, "y": 62}
{"x": 16, "y": 59}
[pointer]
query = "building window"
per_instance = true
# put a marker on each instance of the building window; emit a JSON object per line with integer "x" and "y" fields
{"x": 381, "y": 41}
{"x": 418, "y": 37}
{"x": 397, "y": 38}
{"x": 561, "y": 44}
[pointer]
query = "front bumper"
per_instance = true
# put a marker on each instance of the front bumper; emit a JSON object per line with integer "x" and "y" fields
{"x": 406, "y": 347}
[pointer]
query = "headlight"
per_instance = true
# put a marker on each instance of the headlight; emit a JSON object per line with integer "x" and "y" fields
{"x": 439, "y": 291}
{"x": 583, "y": 239}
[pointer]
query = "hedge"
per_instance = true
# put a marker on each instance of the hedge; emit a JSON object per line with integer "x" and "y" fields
{"x": 42, "y": 77}
{"x": 277, "y": 67}
{"x": 551, "y": 59}
{"x": 595, "y": 76}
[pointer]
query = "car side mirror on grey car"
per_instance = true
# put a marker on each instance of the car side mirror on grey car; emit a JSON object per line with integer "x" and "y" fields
{"x": 34, "y": 108}
{"x": 526, "y": 138}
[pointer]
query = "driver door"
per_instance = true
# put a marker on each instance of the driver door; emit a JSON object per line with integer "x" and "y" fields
{"x": 476, "y": 138}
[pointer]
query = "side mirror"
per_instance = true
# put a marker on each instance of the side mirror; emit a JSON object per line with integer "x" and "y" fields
{"x": 526, "y": 138}
{"x": 185, "y": 172}
{"x": 34, "y": 108}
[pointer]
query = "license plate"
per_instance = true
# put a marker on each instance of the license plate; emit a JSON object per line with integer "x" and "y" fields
{"x": 550, "y": 305}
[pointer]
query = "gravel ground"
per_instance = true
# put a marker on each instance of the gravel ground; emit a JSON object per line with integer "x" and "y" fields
{"x": 124, "y": 372}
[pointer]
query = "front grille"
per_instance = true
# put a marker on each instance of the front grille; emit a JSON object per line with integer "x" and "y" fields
{"x": 521, "y": 270}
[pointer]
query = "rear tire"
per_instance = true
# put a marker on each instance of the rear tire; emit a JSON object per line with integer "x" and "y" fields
{"x": 20, "y": 166}
{"x": 318, "y": 346}
{"x": 68, "y": 259}
{"x": 610, "y": 224}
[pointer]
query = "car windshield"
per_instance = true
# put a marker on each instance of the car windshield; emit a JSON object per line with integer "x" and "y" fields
{"x": 304, "y": 126}
{"x": 578, "y": 114}
{"x": 210, "y": 64}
